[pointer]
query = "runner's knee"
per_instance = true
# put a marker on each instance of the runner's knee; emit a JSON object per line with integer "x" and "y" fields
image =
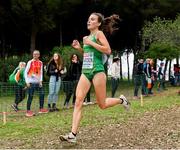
{"x": 79, "y": 102}
{"x": 102, "y": 105}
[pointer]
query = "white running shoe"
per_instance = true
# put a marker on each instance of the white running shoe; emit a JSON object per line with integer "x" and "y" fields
{"x": 125, "y": 102}
{"x": 90, "y": 103}
{"x": 69, "y": 138}
{"x": 84, "y": 103}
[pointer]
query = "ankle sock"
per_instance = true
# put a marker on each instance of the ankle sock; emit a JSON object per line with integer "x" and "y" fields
{"x": 122, "y": 101}
{"x": 73, "y": 134}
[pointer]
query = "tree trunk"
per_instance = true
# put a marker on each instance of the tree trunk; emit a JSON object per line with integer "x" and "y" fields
{"x": 33, "y": 38}
{"x": 143, "y": 45}
{"x": 165, "y": 67}
{"x": 120, "y": 68}
{"x": 2, "y": 44}
{"x": 60, "y": 35}
{"x": 134, "y": 64}
{"x": 170, "y": 68}
{"x": 3, "y": 47}
{"x": 128, "y": 65}
{"x": 177, "y": 60}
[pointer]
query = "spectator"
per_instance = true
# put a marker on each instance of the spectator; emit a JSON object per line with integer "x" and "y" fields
{"x": 153, "y": 76}
{"x": 139, "y": 78}
{"x": 172, "y": 79}
{"x": 71, "y": 79}
{"x": 161, "y": 77}
{"x": 34, "y": 77}
{"x": 19, "y": 86}
{"x": 54, "y": 70}
{"x": 148, "y": 76}
{"x": 115, "y": 74}
{"x": 177, "y": 74}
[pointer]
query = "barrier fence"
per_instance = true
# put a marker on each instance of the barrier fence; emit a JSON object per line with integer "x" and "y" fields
{"x": 8, "y": 89}
{"x": 7, "y": 96}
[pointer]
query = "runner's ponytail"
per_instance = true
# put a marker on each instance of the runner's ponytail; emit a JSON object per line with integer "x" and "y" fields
{"x": 108, "y": 24}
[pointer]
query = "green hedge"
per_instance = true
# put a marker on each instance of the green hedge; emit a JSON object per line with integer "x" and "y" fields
{"x": 7, "y": 65}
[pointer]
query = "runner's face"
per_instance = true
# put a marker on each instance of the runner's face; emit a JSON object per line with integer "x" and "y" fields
{"x": 93, "y": 22}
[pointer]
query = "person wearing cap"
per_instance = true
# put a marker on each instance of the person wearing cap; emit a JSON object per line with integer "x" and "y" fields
{"x": 139, "y": 78}
{"x": 115, "y": 74}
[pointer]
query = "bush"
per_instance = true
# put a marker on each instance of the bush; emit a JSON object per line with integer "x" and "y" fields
{"x": 66, "y": 53}
{"x": 8, "y": 65}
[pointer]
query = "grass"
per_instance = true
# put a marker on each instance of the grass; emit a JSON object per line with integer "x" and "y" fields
{"x": 19, "y": 127}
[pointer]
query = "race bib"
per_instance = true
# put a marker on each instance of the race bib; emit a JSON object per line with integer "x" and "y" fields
{"x": 88, "y": 60}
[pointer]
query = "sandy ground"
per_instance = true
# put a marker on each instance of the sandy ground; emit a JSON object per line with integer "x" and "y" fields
{"x": 153, "y": 130}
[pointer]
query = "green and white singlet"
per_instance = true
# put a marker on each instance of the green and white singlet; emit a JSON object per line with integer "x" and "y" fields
{"x": 92, "y": 60}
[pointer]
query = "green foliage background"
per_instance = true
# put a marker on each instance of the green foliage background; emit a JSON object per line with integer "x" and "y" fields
{"x": 8, "y": 64}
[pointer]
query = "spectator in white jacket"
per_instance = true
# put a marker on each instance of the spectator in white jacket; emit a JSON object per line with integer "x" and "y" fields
{"x": 34, "y": 77}
{"x": 115, "y": 74}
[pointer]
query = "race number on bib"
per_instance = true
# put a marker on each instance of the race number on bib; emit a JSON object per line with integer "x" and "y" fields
{"x": 88, "y": 60}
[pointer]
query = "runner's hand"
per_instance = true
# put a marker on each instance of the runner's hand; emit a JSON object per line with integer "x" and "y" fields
{"x": 86, "y": 40}
{"x": 76, "y": 44}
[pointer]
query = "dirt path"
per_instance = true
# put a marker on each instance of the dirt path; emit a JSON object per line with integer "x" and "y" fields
{"x": 157, "y": 130}
{"x": 153, "y": 130}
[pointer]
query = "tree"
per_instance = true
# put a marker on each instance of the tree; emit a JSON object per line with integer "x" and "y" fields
{"x": 66, "y": 53}
{"x": 4, "y": 21}
{"x": 162, "y": 39}
{"x": 55, "y": 17}
{"x": 67, "y": 8}
{"x": 176, "y": 36}
{"x": 134, "y": 14}
{"x": 36, "y": 16}
{"x": 39, "y": 15}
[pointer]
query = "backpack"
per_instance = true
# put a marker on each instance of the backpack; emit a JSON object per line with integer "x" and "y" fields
{"x": 15, "y": 76}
